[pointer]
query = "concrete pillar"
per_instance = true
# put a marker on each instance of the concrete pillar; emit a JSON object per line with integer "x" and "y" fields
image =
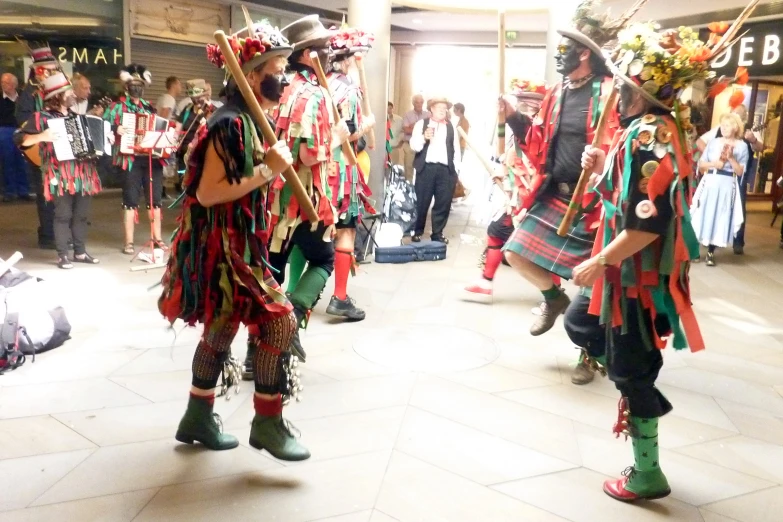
{"x": 375, "y": 17}
{"x": 560, "y": 17}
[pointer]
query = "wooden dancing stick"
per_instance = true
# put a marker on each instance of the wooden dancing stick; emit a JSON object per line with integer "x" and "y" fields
{"x": 350, "y": 156}
{"x": 502, "y": 79}
{"x": 260, "y": 119}
{"x": 365, "y": 98}
{"x": 579, "y": 192}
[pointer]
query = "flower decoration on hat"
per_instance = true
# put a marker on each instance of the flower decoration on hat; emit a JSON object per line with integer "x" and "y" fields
{"x": 349, "y": 40}
{"x": 251, "y": 50}
{"x": 521, "y": 88}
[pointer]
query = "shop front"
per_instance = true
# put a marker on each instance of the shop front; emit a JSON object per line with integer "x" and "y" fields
{"x": 760, "y": 51}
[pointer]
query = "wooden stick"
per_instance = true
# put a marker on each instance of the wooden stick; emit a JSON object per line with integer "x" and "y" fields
{"x": 579, "y": 192}
{"x": 350, "y": 155}
{"x": 260, "y": 119}
{"x": 365, "y": 99}
{"x": 502, "y": 80}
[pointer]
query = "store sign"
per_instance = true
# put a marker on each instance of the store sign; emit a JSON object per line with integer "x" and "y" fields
{"x": 91, "y": 56}
{"x": 759, "y": 50}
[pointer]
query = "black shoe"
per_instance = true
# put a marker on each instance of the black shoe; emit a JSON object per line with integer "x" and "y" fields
{"x": 440, "y": 239}
{"x": 296, "y": 344}
{"x": 27, "y": 197}
{"x": 739, "y": 250}
{"x": 416, "y": 238}
{"x": 64, "y": 263}
{"x": 345, "y": 308}
{"x": 46, "y": 244}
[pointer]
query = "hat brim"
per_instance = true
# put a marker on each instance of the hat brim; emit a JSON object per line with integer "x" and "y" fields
{"x": 319, "y": 39}
{"x": 54, "y": 93}
{"x": 582, "y": 39}
{"x": 449, "y": 105}
{"x": 265, "y": 57}
{"x": 646, "y": 95}
{"x": 532, "y": 96}
{"x": 44, "y": 63}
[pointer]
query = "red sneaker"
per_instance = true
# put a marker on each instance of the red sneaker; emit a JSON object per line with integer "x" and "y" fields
{"x": 478, "y": 292}
{"x": 616, "y": 488}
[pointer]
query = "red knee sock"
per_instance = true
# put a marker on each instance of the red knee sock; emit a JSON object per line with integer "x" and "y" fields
{"x": 209, "y": 399}
{"x": 556, "y": 280}
{"x": 494, "y": 257}
{"x": 343, "y": 260}
{"x": 268, "y": 407}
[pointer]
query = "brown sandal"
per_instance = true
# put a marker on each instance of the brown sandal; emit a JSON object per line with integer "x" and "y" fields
{"x": 128, "y": 249}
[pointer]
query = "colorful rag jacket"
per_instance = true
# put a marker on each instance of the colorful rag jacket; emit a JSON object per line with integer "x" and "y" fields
{"x": 304, "y": 120}
{"x": 218, "y": 270}
{"x": 72, "y": 177}
{"x": 113, "y": 115}
{"x": 350, "y": 193}
{"x": 648, "y": 166}
{"x": 545, "y": 128}
{"x": 520, "y": 173}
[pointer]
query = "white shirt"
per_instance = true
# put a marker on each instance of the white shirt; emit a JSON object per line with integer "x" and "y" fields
{"x": 437, "y": 151}
{"x": 6, "y": 97}
{"x": 183, "y": 103}
{"x": 396, "y": 131}
{"x": 166, "y": 101}
{"x": 80, "y": 107}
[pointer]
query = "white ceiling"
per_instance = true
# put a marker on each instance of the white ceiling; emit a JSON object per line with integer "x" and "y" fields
{"x": 536, "y": 22}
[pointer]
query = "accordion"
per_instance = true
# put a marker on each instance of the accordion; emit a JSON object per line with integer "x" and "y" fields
{"x": 80, "y": 137}
{"x": 152, "y": 134}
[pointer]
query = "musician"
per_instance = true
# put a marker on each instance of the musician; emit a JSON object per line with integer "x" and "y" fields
{"x": 306, "y": 124}
{"x": 193, "y": 115}
{"x": 82, "y": 91}
{"x": 218, "y": 271}
{"x": 567, "y": 121}
{"x": 69, "y": 184}
{"x": 136, "y": 167}
{"x": 30, "y": 101}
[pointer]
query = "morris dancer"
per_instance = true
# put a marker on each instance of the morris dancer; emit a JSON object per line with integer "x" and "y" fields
{"x": 516, "y": 174}
{"x": 136, "y": 167}
{"x": 68, "y": 183}
{"x": 567, "y": 121}
{"x": 640, "y": 263}
{"x": 218, "y": 271}
{"x": 305, "y": 123}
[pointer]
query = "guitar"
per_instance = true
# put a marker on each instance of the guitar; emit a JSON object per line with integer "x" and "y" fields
{"x": 33, "y": 154}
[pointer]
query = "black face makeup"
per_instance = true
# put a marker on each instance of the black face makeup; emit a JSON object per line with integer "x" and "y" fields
{"x": 272, "y": 87}
{"x": 627, "y": 100}
{"x": 135, "y": 90}
{"x": 567, "y": 57}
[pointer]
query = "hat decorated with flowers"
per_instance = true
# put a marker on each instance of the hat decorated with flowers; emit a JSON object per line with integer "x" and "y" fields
{"x": 528, "y": 90}
{"x": 195, "y": 88}
{"x": 660, "y": 65}
{"x": 348, "y": 41}
{"x": 597, "y": 32}
{"x": 55, "y": 84}
{"x": 260, "y": 42}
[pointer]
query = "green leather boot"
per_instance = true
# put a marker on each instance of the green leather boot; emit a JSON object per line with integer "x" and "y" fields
{"x": 273, "y": 434}
{"x": 200, "y": 424}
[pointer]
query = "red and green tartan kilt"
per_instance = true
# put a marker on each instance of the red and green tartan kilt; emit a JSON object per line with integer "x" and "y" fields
{"x": 536, "y": 238}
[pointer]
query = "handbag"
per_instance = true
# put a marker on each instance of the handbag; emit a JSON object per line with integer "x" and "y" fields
{"x": 459, "y": 190}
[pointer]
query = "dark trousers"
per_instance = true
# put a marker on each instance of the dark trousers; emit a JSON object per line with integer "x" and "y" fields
{"x": 436, "y": 181}
{"x": 739, "y": 240}
{"x": 317, "y": 252}
{"x": 584, "y": 329}
{"x": 634, "y": 368}
{"x": 16, "y": 183}
{"x": 70, "y": 223}
{"x": 45, "y": 208}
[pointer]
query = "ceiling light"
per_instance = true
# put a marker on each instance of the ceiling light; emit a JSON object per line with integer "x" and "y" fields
{"x": 417, "y": 21}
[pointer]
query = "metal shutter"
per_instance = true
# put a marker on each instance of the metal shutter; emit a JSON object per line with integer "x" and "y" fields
{"x": 186, "y": 62}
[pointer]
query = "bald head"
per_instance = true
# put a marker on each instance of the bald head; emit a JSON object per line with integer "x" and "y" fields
{"x": 9, "y": 83}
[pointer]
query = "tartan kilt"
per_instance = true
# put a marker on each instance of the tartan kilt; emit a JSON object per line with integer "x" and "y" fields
{"x": 536, "y": 238}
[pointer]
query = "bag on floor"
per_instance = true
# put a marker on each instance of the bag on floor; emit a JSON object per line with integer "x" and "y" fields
{"x": 31, "y": 321}
{"x": 399, "y": 205}
{"x": 395, "y": 254}
{"x": 430, "y": 250}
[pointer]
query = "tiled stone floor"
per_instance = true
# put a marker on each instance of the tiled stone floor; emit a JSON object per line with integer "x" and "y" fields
{"x": 433, "y": 409}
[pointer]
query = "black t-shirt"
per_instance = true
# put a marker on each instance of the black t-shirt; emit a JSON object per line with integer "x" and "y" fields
{"x": 637, "y": 193}
{"x": 564, "y": 162}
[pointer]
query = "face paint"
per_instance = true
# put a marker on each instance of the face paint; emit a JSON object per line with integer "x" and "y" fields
{"x": 272, "y": 87}
{"x": 567, "y": 57}
{"x": 627, "y": 100}
{"x": 135, "y": 90}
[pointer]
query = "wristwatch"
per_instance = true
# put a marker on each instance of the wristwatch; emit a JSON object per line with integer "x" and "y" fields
{"x": 602, "y": 260}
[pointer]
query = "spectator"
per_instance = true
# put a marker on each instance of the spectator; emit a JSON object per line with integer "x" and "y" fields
{"x": 395, "y": 127}
{"x": 408, "y": 122}
{"x": 167, "y": 102}
{"x": 464, "y": 124}
{"x": 13, "y": 163}
{"x": 437, "y": 164}
{"x": 215, "y": 103}
{"x": 82, "y": 91}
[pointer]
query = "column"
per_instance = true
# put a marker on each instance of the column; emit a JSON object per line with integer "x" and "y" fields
{"x": 375, "y": 17}
{"x": 559, "y": 18}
